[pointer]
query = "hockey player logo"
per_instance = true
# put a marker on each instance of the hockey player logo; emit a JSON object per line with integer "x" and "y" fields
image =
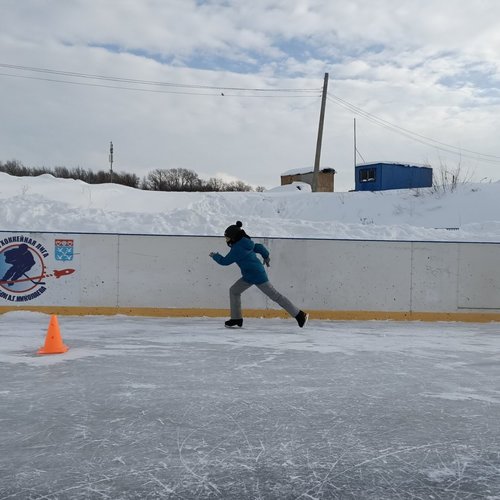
{"x": 21, "y": 261}
{"x": 23, "y": 274}
{"x": 21, "y": 267}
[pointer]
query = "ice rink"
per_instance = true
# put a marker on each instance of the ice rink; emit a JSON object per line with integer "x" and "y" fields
{"x": 148, "y": 408}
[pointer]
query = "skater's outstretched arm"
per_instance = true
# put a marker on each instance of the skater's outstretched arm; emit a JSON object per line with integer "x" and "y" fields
{"x": 227, "y": 260}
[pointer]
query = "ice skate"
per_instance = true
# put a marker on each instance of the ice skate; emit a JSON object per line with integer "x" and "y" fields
{"x": 233, "y": 323}
{"x": 302, "y": 318}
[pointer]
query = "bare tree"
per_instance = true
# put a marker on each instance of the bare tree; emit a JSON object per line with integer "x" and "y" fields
{"x": 447, "y": 179}
{"x": 156, "y": 180}
{"x": 214, "y": 184}
{"x": 181, "y": 179}
{"x": 237, "y": 186}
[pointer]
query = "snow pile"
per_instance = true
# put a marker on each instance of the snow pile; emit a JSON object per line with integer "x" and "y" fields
{"x": 44, "y": 203}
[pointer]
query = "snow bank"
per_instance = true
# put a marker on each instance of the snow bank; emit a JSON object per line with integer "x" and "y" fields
{"x": 45, "y": 203}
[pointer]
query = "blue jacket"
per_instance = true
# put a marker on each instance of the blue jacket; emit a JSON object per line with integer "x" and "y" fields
{"x": 244, "y": 253}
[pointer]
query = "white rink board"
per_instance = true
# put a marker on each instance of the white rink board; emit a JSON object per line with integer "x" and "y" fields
{"x": 142, "y": 271}
{"x": 98, "y": 278}
{"x": 434, "y": 274}
{"x": 479, "y": 277}
{"x": 343, "y": 275}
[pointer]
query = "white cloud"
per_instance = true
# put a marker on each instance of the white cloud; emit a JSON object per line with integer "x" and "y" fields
{"x": 429, "y": 67}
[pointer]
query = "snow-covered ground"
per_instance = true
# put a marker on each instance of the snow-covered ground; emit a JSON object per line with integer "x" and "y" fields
{"x": 469, "y": 213}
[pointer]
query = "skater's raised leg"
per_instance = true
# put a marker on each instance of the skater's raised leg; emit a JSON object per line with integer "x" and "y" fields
{"x": 277, "y": 297}
{"x": 281, "y": 300}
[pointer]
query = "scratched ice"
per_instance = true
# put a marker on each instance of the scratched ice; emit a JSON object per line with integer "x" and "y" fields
{"x": 183, "y": 408}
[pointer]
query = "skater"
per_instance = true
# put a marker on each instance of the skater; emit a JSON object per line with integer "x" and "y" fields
{"x": 244, "y": 252}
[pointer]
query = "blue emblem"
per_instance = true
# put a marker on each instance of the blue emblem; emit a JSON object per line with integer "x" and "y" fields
{"x": 63, "y": 250}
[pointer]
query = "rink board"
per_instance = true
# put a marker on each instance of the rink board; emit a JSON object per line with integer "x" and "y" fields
{"x": 174, "y": 276}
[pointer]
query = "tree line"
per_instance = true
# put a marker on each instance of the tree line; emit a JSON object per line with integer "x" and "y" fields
{"x": 173, "y": 179}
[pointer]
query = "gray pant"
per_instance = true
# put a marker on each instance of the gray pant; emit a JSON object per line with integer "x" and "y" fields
{"x": 241, "y": 285}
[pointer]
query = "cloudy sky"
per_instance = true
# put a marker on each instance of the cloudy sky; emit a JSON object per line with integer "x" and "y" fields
{"x": 232, "y": 88}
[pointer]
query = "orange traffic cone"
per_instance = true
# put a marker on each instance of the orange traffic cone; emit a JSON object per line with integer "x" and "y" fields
{"x": 53, "y": 340}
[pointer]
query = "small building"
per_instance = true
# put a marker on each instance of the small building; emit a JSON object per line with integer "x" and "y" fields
{"x": 385, "y": 175}
{"x": 325, "y": 178}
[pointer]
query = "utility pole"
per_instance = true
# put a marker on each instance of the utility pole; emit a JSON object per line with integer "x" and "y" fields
{"x": 111, "y": 162}
{"x": 320, "y": 135}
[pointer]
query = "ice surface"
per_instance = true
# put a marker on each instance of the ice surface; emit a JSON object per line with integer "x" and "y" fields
{"x": 183, "y": 408}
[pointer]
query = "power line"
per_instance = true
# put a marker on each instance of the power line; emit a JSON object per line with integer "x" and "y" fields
{"x": 413, "y": 135}
{"x": 155, "y": 91}
{"x": 408, "y": 133}
{"x": 115, "y": 79}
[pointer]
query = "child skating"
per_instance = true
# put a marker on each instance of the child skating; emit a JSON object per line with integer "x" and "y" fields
{"x": 244, "y": 253}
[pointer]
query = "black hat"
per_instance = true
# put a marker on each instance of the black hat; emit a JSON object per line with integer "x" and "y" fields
{"x": 234, "y": 232}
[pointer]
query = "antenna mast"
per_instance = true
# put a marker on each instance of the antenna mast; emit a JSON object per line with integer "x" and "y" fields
{"x": 111, "y": 162}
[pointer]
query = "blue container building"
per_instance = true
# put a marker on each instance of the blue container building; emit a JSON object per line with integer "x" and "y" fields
{"x": 382, "y": 176}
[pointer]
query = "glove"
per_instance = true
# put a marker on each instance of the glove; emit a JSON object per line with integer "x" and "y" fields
{"x": 267, "y": 261}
